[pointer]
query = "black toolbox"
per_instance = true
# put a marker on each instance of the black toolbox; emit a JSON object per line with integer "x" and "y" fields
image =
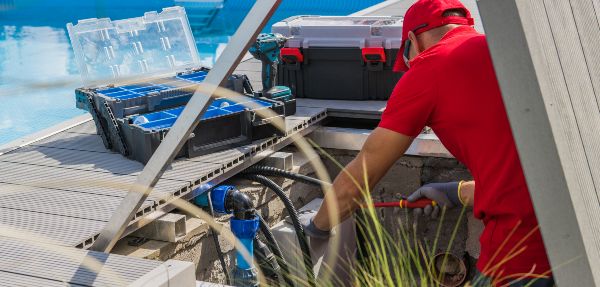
{"x": 140, "y": 72}
{"x": 339, "y": 57}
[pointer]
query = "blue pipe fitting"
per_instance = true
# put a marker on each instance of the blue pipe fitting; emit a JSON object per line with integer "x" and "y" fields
{"x": 218, "y": 196}
{"x": 200, "y": 194}
{"x": 245, "y": 230}
{"x": 201, "y": 200}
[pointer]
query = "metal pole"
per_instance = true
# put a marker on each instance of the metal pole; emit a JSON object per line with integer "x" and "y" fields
{"x": 254, "y": 22}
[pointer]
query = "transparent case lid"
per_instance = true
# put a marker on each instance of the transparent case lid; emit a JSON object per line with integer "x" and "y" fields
{"x": 156, "y": 44}
{"x": 326, "y": 21}
{"x": 341, "y": 31}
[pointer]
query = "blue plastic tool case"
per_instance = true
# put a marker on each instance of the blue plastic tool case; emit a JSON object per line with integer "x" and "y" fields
{"x": 229, "y": 121}
{"x": 138, "y": 75}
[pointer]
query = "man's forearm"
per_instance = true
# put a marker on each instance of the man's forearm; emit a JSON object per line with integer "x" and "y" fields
{"x": 380, "y": 151}
{"x": 346, "y": 194}
{"x": 467, "y": 192}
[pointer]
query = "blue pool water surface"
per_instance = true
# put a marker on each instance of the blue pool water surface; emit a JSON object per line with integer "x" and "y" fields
{"x": 37, "y": 69}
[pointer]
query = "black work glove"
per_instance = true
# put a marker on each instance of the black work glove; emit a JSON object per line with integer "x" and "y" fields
{"x": 444, "y": 194}
{"x": 311, "y": 231}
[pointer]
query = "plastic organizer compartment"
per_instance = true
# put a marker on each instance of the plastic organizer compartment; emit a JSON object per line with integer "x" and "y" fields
{"x": 227, "y": 123}
{"x": 153, "y": 95}
{"x": 218, "y": 108}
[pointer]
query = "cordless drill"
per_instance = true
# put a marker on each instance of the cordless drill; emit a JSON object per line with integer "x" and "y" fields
{"x": 267, "y": 49}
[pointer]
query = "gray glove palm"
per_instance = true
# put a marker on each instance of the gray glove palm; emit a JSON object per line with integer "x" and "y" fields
{"x": 444, "y": 194}
{"x": 311, "y": 231}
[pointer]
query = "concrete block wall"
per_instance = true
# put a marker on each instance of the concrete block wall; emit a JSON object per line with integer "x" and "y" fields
{"x": 406, "y": 176}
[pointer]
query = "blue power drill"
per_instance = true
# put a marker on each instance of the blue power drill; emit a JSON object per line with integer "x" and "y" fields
{"x": 267, "y": 49}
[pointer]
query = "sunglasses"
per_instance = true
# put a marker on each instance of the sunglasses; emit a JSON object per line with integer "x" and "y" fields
{"x": 406, "y": 53}
{"x": 407, "y": 44}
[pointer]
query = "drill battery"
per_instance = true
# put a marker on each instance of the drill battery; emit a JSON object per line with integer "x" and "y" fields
{"x": 284, "y": 95}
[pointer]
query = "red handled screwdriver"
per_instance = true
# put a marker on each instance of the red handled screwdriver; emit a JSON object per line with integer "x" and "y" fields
{"x": 421, "y": 203}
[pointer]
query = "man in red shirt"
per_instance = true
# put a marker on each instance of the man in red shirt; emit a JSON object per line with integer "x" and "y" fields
{"x": 450, "y": 86}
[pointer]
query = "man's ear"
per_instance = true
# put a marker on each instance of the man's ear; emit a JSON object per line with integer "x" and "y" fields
{"x": 414, "y": 42}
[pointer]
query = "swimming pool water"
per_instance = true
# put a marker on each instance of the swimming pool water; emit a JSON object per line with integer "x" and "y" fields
{"x": 37, "y": 70}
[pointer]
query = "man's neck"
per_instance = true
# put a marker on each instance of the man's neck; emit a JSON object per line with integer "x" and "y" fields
{"x": 435, "y": 35}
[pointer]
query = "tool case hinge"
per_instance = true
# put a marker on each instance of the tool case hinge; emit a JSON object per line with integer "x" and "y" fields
{"x": 113, "y": 126}
{"x": 96, "y": 116}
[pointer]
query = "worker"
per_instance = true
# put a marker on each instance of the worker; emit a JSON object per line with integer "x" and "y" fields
{"x": 450, "y": 85}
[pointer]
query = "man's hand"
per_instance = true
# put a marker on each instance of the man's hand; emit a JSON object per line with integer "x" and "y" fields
{"x": 310, "y": 230}
{"x": 444, "y": 194}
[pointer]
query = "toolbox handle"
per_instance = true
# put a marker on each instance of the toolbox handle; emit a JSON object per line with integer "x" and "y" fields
{"x": 373, "y": 54}
{"x": 374, "y": 57}
{"x": 291, "y": 55}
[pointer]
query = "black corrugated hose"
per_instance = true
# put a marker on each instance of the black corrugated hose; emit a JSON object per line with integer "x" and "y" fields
{"x": 295, "y": 221}
{"x": 272, "y": 244}
{"x": 272, "y": 171}
{"x": 217, "y": 244}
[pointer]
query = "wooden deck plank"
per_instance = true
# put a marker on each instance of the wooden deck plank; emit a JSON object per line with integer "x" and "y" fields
{"x": 74, "y": 141}
{"x": 545, "y": 79}
{"x": 47, "y": 264}
{"x": 581, "y": 92}
{"x": 106, "y": 162}
{"x": 85, "y": 128}
{"x": 59, "y": 202}
{"x": 78, "y": 180}
{"x": 62, "y": 230}
{"x": 74, "y": 159}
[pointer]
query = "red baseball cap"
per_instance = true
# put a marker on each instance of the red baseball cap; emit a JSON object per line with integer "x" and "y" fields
{"x": 425, "y": 15}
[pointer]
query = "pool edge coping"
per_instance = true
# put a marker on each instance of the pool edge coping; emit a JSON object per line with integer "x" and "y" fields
{"x": 376, "y": 7}
{"x": 45, "y": 133}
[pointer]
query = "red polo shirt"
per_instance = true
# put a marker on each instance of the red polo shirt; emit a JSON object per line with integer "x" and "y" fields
{"x": 452, "y": 88}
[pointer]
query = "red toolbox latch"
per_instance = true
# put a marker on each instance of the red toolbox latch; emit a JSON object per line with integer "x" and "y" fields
{"x": 291, "y": 55}
{"x": 373, "y": 54}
